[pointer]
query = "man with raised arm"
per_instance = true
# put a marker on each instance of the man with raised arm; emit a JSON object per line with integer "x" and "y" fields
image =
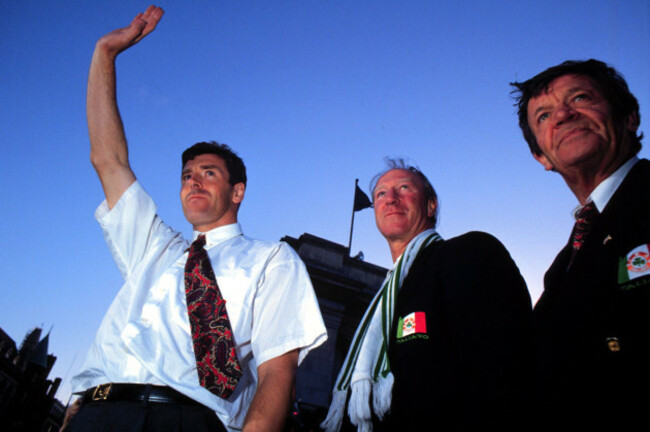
{"x": 592, "y": 322}
{"x": 445, "y": 344}
{"x": 217, "y": 325}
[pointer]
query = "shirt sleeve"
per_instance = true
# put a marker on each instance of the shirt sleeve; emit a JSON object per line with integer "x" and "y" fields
{"x": 286, "y": 315}
{"x": 132, "y": 229}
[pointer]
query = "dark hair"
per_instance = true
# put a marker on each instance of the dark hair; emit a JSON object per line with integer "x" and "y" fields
{"x": 611, "y": 84}
{"x": 399, "y": 163}
{"x": 234, "y": 164}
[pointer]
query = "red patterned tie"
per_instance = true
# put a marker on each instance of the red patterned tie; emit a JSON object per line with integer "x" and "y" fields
{"x": 216, "y": 359}
{"x": 584, "y": 222}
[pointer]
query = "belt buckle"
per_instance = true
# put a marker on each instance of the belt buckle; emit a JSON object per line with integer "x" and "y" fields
{"x": 102, "y": 391}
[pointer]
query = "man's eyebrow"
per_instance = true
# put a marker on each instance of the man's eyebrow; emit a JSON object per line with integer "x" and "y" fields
{"x": 580, "y": 88}
{"x": 539, "y": 108}
{"x": 573, "y": 90}
{"x": 203, "y": 167}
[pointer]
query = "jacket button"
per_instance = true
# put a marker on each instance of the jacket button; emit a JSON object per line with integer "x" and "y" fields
{"x": 613, "y": 344}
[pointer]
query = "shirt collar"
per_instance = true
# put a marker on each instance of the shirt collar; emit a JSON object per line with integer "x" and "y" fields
{"x": 605, "y": 190}
{"x": 220, "y": 234}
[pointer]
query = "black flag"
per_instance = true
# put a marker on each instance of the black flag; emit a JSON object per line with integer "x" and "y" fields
{"x": 361, "y": 200}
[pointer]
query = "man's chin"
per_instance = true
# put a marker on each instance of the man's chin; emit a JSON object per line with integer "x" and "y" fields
{"x": 579, "y": 155}
{"x": 195, "y": 218}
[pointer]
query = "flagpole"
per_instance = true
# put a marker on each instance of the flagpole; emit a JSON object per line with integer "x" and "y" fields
{"x": 356, "y": 182}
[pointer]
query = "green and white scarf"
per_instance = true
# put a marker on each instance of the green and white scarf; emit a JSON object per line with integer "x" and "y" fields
{"x": 366, "y": 365}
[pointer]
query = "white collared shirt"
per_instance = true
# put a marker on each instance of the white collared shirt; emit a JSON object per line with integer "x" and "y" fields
{"x": 145, "y": 336}
{"x": 605, "y": 190}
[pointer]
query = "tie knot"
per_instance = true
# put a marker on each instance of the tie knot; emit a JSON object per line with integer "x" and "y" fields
{"x": 196, "y": 244}
{"x": 200, "y": 241}
{"x": 586, "y": 213}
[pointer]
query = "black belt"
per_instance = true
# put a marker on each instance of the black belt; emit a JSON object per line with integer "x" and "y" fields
{"x": 136, "y": 393}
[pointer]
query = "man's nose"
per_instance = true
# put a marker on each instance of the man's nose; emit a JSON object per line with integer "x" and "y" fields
{"x": 564, "y": 113}
{"x": 391, "y": 196}
{"x": 195, "y": 180}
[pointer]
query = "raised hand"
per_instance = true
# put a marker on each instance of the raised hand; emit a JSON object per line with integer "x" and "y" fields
{"x": 108, "y": 148}
{"x": 118, "y": 40}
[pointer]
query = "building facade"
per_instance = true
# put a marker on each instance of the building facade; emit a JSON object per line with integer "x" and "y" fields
{"x": 344, "y": 287}
{"x": 27, "y": 401}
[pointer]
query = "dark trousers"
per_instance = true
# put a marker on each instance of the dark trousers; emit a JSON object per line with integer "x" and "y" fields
{"x": 144, "y": 416}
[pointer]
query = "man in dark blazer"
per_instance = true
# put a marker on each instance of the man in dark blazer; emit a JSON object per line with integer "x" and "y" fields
{"x": 455, "y": 317}
{"x": 592, "y": 323}
{"x": 472, "y": 371}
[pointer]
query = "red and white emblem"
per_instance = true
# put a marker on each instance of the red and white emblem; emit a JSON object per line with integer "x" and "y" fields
{"x": 638, "y": 262}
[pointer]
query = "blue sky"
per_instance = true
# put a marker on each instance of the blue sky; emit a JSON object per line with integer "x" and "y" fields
{"x": 312, "y": 94}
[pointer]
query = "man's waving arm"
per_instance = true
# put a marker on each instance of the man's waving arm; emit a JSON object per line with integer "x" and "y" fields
{"x": 108, "y": 149}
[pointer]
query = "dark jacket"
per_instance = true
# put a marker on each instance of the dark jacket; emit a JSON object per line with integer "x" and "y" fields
{"x": 592, "y": 326}
{"x": 470, "y": 369}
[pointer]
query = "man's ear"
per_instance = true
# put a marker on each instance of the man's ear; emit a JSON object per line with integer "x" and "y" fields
{"x": 632, "y": 122}
{"x": 432, "y": 205}
{"x": 541, "y": 158}
{"x": 238, "y": 192}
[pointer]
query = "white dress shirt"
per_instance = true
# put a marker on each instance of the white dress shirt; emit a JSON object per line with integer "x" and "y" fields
{"x": 605, "y": 190}
{"x": 145, "y": 336}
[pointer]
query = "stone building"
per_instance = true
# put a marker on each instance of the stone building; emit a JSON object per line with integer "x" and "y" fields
{"x": 344, "y": 287}
{"x": 27, "y": 401}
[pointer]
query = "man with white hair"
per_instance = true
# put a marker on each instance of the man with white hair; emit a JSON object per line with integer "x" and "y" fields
{"x": 445, "y": 343}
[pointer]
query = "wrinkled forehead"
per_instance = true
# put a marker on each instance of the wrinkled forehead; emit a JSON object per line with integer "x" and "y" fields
{"x": 397, "y": 175}
{"x": 205, "y": 158}
{"x": 565, "y": 83}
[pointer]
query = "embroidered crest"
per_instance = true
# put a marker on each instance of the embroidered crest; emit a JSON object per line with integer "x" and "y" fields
{"x": 633, "y": 266}
{"x": 638, "y": 262}
{"x": 413, "y": 323}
